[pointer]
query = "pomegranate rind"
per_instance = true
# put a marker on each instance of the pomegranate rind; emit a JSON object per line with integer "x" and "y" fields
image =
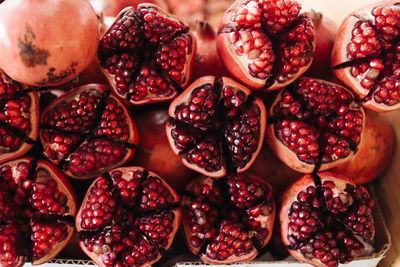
{"x": 232, "y": 259}
{"x": 34, "y": 123}
{"x": 339, "y": 56}
{"x": 290, "y": 196}
{"x": 289, "y": 157}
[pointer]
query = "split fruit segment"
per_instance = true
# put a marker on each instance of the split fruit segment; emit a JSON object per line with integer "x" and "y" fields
{"x": 366, "y": 55}
{"x": 228, "y": 220}
{"x": 128, "y": 217}
{"x": 315, "y": 125}
{"x": 266, "y": 44}
{"x": 37, "y": 206}
{"x": 88, "y": 131}
{"x": 19, "y": 119}
{"x": 147, "y": 55}
{"x": 217, "y": 125}
{"x": 326, "y": 219}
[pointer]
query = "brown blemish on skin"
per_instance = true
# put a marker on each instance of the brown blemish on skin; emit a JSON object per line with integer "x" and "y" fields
{"x": 53, "y": 77}
{"x": 30, "y": 54}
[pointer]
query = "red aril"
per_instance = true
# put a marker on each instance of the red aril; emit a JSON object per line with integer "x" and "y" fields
{"x": 47, "y": 42}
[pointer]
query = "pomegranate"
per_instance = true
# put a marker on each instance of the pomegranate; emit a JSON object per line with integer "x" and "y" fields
{"x": 316, "y": 125}
{"x": 325, "y": 33}
{"x": 19, "y": 122}
{"x": 374, "y": 154}
{"x": 128, "y": 217}
{"x": 113, "y": 7}
{"x": 37, "y": 203}
{"x": 88, "y": 131}
{"x": 207, "y": 60}
{"x": 326, "y": 219}
{"x": 217, "y": 125}
{"x": 228, "y": 220}
{"x": 46, "y": 42}
{"x": 147, "y": 55}
{"x": 366, "y": 54}
{"x": 154, "y": 151}
{"x": 266, "y": 44}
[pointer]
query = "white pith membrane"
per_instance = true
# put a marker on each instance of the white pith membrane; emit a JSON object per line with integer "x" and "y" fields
{"x": 315, "y": 125}
{"x": 147, "y": 55}
{"x": 129, "y": 216}
{"x": 87, "y": 131}
{"x": 266, "y": 44}
{"x": 366, "y": 55}
{"x": 36, "y": 211}
{"x": 229, "y": 219}
{"x": 217, "y": 125}
{"x": 327, "y": 220}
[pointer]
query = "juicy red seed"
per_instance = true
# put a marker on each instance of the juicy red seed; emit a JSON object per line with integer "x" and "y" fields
{"x": 46, "y": 235}
{"x": 11, "y": 251}
{"x": 388, "y": 91}
{"x": 99, "y": 206}
{"x": 303, "y": 222}
{"x": 277, "y": 15}
{"x": 128, "y": 189}
{"x": 201, "y": 109}
{"x": 257, "y": 49}
{"x": 7, "y": 208}
{"x": 248, "y": 15}
{"x": 364, "y": 42}
{"x": 323, "y": 248}
{"x": 155, "y": 194}
{"x": 141, "y": 252}
{"x": 172, "y": 57}
{"x": 245, "y": 192}
{"x": 8, "y": 90}
{"x": 8, "y": 141}
{"x": 334, "y": 147}
{"x": 183, "y": 136}
{"x": 233, "y": 100}
{"x": 16, "y": 113}
{"x": 113, "y": 123}
{"x": 206, "y": 154}
{"x": 94, "y": 155}
{"x": 387, "y": 21}
{"x": 57, "y": 145}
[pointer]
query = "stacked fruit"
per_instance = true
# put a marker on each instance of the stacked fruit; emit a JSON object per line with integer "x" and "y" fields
{"x": 223, "y": 87}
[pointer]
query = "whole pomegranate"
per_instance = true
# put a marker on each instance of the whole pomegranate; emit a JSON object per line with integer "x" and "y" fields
{"x": 326, "y": 219}
{"x": 19, "y": 118}
{"x": 228, "y": 220}
{"x": 147, "y": 54}
{"x": 374, "y": 154}
{"x": 128, "y": 217}
{"x": 266, "y": 44}
{"x": 366, "y": 55}
{"x": 315, "y": 125}
{"x": 37, "y": 204}
{"x": 47, "y": 42}
{"x": 217, "y": 126}
{"x": 88, "y": 131}
{"x": 155, "y": 152}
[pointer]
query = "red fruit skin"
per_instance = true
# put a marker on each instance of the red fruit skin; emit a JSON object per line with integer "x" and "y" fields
{"x": 113, "y": 7}
{"x": 374, "y": 154}
{"x": 207, "y": 61}
{"x": 154, "y": 151}
{"x": 36, "y": 60}
{"x": 325, "y": 33}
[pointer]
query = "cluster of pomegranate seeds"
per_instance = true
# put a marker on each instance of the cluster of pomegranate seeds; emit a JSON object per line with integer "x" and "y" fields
{"x": 128, "y": 217}
{"x": 229, "y": 219}
{"x": 217, "y": 126}
{"x": 266, "y": 43}
{"x": 147, "y": 55}
{"x": 87, "y": 131}
{"x": 317, "y": 120}
{"x": 327, "y": 223}
{"x": 367, "y": 58}
{"x": 42, "y": 205}
{"x": 18, "y": 120}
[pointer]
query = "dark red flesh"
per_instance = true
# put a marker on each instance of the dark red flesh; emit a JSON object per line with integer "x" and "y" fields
{"x": 147, "y": 55}
{"x": 87, "y": 131}
{"x": 329, "y": 223}
{"x": 319, "y": 121}
{"x": 128, "y": 218}
{"x": 223, "y": 218}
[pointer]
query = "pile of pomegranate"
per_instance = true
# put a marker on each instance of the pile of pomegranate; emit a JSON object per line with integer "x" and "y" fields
{"x": 190, "y": 126}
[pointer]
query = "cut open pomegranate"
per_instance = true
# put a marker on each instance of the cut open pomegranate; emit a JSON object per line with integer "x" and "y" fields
{"x": 326, "y": 219}
{"x": 147, "y": 54}
{"x": 266, "y": 44}
{"x": 128, "y": 217}
{"x": 19, "y": 119}
{"x": 217, "y": 125}
{"x": 228, "y": 220}
{"x": 316, "y": 125}
{"x": 88, "y": 131}
{"x": 366, "y": 55}
{"x": 37, "y": 205}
